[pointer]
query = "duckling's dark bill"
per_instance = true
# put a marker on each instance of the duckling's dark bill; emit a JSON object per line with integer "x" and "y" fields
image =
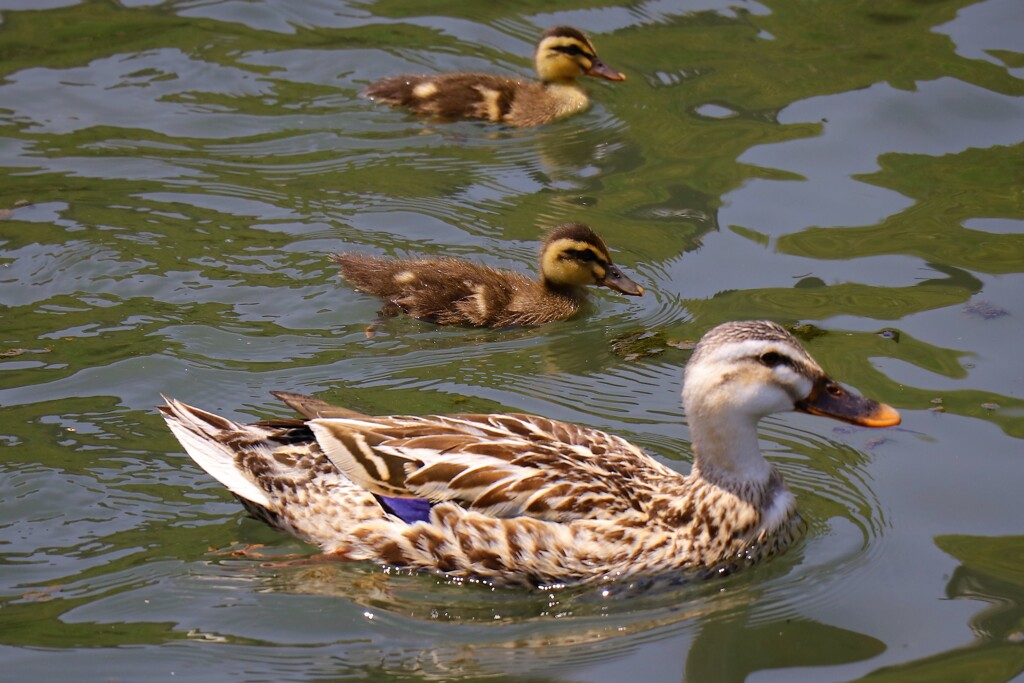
{"x": 829, "y": 399}
{"x": 617, "y": 280}
{"x": 599, "y": 69}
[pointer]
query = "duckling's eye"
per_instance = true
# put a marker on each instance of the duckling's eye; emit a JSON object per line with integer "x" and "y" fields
{"x": 770, "y": 358}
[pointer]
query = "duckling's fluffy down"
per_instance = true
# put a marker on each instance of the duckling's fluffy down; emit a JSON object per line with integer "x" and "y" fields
{"x": 451, "y": 291}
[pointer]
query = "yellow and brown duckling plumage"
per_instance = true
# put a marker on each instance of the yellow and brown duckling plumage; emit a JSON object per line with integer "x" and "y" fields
{"x": 520, "y": 499}
{"x": 451, "y": 291}
{"x": 562, "y": 54}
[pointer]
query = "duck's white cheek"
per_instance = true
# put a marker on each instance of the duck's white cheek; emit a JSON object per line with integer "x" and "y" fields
{"x": 771, "y": 399}
{"x": 770, "y": 391}
{"x": 797, "y": 386}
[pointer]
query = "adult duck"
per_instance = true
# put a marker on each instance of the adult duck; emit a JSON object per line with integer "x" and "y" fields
{"x": 521, "y": 499}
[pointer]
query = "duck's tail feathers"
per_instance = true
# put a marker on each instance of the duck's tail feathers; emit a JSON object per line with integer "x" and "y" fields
{"x": 205, "y": 437}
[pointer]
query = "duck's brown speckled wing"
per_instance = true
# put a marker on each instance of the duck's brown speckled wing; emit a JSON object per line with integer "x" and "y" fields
{"x": 497, "y": 465}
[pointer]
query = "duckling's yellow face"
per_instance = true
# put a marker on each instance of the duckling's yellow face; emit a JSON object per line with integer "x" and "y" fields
{"x": 565, "y": 53}
{"x": 568, "y": 262}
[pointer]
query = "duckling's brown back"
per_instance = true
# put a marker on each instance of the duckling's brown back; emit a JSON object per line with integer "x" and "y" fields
{"x": 377, "y": 276}
{"x": 450, "y": 96}
{"x": 446, "y": 291}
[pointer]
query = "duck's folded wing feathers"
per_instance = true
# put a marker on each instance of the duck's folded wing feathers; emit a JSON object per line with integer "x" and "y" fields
{"x": 498, "y": 465}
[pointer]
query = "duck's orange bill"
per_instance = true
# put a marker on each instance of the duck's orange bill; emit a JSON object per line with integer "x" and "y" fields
{"x": 599, "y": 69}
{"x": 829, "y": 399}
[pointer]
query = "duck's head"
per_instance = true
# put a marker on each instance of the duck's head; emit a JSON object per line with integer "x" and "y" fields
{"x": 564, "y": 53}
{"x": 755, "y": 368}
{"x": 573, "y": 255}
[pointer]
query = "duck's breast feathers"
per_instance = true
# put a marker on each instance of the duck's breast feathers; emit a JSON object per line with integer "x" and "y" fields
{"x": 456, "y": 95}
{"x": 498, "y": 465}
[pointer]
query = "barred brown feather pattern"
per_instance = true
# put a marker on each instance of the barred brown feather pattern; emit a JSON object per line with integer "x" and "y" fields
{"x": 523, "y": 550}
{"x": 504, "y": 465}
{"x": 522, "y": 499}
{"x": 301, "y": 492}
{"x": 517, "y": 498}
{"x": 579, "y": 495}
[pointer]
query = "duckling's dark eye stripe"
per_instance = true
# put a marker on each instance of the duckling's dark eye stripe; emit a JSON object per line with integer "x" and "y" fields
{"x": 584, "y": 255}
{"x": 574, "y": 50}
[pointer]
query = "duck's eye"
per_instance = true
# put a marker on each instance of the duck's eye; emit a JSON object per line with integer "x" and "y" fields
{"x": 770, "y": 358}
{"x": 834, "y": 389}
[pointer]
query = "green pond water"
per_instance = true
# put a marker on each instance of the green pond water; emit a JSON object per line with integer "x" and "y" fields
{"x": 173, "y": 174}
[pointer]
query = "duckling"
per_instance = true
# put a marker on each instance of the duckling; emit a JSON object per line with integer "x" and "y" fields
{"x": 450, "y": 291}
{"x": 562, "y": 54}
{"x": 521, "y": 499}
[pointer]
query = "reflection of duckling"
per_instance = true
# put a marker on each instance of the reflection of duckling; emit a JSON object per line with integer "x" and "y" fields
{"x": 563, "y": 53}
{"x": 524, "y": 499}
{"x": 451, "y": 291}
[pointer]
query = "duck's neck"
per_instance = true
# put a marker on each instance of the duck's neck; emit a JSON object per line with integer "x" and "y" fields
{"x": 563, "y": 291}
{"x": 726, "y": 451}
{"x": 565, "y": 97}
{"x": 569, "y": 81}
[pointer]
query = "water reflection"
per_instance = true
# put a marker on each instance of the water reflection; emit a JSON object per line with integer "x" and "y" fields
{"x": 788, "y": 644}
{"x": 990, "y": 572}
{"x": 174, "y": 172}
{"x": 532, "y": 632}
{"x": 947, "y": 191}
